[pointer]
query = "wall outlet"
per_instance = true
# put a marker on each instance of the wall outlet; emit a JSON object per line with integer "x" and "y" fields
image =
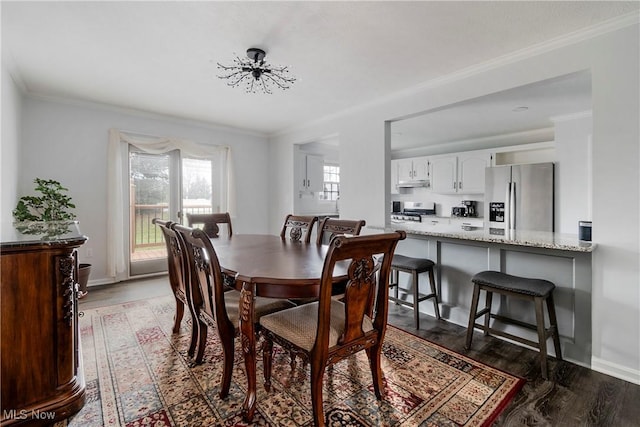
{"x": 89, "y": 252}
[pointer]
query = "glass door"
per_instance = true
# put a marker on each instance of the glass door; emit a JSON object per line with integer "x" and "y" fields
{"x": 197, "y": 188}
{"x": 163, "y": 186}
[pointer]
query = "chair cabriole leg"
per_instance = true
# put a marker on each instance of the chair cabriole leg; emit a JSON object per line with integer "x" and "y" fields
{"x": 178, "y": 316}
{"x": 267, "y": 355}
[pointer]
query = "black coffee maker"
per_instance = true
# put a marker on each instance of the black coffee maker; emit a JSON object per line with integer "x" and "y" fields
{"x": 471, "y": 208}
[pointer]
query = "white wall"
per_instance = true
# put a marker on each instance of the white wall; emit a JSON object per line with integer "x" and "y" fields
{"x": 613, "y": 60}
{"x": 10, "y": 151}
{"x": 573, "y": 182}
{"x": 68, "y": 142}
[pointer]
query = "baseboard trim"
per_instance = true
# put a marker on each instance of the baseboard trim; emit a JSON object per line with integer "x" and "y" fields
{"x": 615, "y": 370}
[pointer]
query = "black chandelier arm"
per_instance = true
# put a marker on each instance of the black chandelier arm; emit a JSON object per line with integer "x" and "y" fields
{"x": 255, "y": 74}
{"x": 238, "y": 74}
{"x": 265, "y": 88}
{"x": 236, "y": 78}
{"x": 277, "y": 80}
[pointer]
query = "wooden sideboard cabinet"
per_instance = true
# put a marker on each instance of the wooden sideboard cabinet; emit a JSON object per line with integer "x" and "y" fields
{"x": 42, "y": 377}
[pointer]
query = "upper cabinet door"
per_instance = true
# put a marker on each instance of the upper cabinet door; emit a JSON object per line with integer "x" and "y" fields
{"x": 421, "y": 170}
{"x": 471, "y": 168}
{"x": 405, "y": 170}
{"x": 315, "y": 173}
{"x": 394, "y": 176}
{"x": 444, "y": 174}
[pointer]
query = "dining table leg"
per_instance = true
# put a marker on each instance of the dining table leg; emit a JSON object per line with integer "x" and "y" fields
{"x": 248, "y": 340}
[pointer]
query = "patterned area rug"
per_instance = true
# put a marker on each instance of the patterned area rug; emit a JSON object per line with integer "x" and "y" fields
{"x": 138, "y": 374}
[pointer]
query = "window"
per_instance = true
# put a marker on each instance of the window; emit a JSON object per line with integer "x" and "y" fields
{"x": 331, "y": 185}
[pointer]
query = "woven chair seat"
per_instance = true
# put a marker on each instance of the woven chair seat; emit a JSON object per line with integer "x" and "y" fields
{"x": 299, "y": 325}
{"x": 521, "y": 285}
{"x": 262, "y": 306}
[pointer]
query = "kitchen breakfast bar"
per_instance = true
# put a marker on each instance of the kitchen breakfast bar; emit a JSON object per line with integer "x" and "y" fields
{"x": 459, "y": 254}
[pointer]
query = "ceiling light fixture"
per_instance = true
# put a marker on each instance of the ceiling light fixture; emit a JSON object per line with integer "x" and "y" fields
{"x": 256, "y": 74}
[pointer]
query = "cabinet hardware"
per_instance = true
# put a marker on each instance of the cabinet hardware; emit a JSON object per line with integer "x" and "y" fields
{"x": 460, "y": 185}
{"x": 455, "y": 185}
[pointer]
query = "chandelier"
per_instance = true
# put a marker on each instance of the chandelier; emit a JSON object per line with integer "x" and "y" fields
{"x": 255, "y": 74}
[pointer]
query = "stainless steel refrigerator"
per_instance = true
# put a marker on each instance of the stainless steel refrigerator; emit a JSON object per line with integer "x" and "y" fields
{"x": 519, "y": 197}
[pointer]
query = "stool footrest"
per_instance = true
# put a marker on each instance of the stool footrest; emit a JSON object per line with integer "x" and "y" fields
{"x": 514, "y": 322}
{"x": 421, "y": 297}
{"x": 497, "y": 332}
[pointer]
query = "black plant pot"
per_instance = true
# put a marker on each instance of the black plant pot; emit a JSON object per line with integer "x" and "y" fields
{"x": 83, "y": 278}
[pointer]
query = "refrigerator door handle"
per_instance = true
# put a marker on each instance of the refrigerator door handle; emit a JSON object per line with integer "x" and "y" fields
{"x": 507, "y": 207}
{"x": 512, "y": 205}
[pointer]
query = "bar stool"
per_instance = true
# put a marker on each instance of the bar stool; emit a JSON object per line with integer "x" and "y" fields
{"x": 535, "y": 290}
{"x": 413, "y": 266}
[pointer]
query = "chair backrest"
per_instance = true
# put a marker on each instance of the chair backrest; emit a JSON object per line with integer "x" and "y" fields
{"x": 334, "y": 226}
{"x": 175, "y": 259}
{"x": 211, "y": 222}
{"x": 367, "y": 285}
{"x": 205, "y": 277}
{"x": 297, "y": 226}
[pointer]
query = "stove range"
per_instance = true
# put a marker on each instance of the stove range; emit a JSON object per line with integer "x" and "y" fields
{"x": 406, "y": 216}
{"x": 413, "y": 211}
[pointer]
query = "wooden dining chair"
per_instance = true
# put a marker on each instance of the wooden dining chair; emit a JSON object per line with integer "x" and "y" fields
{"x": 212, "y": 305}
{"x": 211, "y": 222}
{"x": 297, "y": 225}
{"x": 176, "y": 268}
{"x": 328, "y": 331}
{"x": 332, "y": 226}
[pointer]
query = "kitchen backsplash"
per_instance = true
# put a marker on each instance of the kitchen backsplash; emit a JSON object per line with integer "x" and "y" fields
{"x": 444, "y": 202}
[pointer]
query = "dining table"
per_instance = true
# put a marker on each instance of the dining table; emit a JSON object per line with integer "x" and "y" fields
{"x": 270, "y": 266}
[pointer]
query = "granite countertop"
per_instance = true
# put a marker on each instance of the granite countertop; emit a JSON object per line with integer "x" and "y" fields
{"x": 539, "y": 239}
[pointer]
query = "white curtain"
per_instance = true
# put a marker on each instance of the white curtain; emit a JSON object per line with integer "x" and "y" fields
{"x": 118, "y": 184}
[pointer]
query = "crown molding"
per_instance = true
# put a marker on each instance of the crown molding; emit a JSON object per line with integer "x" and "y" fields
{"x": 143, "y": 114}
{"x": 574, "y": 37}
{"x": 574, "y": 116}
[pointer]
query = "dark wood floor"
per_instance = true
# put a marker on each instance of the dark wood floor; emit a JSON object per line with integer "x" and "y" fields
{"x": 574, "y": 395}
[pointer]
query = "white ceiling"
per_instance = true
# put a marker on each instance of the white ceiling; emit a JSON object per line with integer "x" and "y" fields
{"x": 514, "y": 115}
{"x": 161, "y": 57}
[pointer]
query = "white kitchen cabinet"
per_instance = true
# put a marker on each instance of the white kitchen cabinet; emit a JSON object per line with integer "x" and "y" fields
{"x": 311, "y": 173}
{"x": 394, "y": 176}
{"x": 414, "y": 169}
{"x": 471, "y": 168}
{"x": 462, "y": 173}
{"x": 445, "y": 174}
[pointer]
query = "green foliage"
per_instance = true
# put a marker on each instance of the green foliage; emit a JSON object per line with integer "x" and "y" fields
{"x": 53, "y": 205}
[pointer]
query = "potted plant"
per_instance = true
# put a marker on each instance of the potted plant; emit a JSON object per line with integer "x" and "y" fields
{"x": 48, "y": 214}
